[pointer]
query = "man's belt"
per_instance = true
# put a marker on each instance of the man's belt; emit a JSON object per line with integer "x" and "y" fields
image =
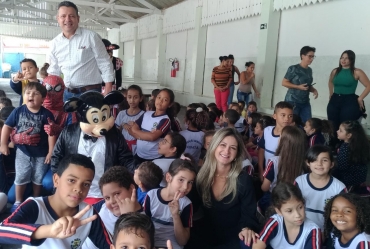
{"x": 84, "y": 88}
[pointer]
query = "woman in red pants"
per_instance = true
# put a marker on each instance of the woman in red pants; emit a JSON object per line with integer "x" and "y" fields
{"x": 221, "y": 80}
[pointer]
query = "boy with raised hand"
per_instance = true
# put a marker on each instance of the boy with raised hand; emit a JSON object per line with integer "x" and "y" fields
{"x": 283, "y": 114}
{"x": 21, "y": 79}
{"x": 118, "y": 189}
{"x": 61, "y": 220}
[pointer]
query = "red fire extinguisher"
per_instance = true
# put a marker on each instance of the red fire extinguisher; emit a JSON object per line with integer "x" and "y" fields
{"x": 177, "y": 64}
{"x": 173, "y": 69}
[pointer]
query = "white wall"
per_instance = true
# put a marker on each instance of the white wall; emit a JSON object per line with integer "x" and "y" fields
{"x": 239, "y": 38}
{"x": 179, "y": 45}
{"x": 149, "y": 62}
{"x": 114, "y": 38}
{"x": 223, "y": 39}
{"x": 128, "y": 59}
{"x": 331, "y": 27}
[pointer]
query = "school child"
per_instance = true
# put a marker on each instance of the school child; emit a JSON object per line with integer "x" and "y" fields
{"x": 297, "y": 121}
{"x": 353, "y": 156}
{"x": 193, "y": 106}
{"x": 207, "y": 139}
{"x": 176, "y": 126}
{"x": 4, "y": 102}
{"x": 147, "y": 177}
{"x": 242, "y": 107}
{"x": 287, "y": 165}
{"x": 230, "y": 117}
{"x": 135, "y": 100}
{"x": 211, "y": 105}
{"x": 124, "y": 104}
{"x": 21, "y": 79}
{"x": 319, "y": 186}
{"x": 30, "y": 160}
{"x": 252, "y": 147}
{"x": 196, "y": 120}
{"x": 155, "y": 93}
{"x": 150, "y": 106}
{"x": 7, "y": 163}
{"x": 261, "y": 124}
{"x": 328, "y": 132}
{"x": 251, "y": 107}
{"x": 218, "y": 113}
{"x": 172, "y": 146}
{"x": 119, "y": 196}
{"x": 289, "y": 227}
{"x": 240, "y": 124}
{"x": 169, "y": 207}
{"x": 152, "y": 126}
{"x": 252, "y": 122}
{"x": 211, "y": 122}
{"x": 132, "y": 231}
{"x": 347, "y": 222}
{"x": 61, "y": 220}
{"x": 283, "y": 114}
{"x": 313, "y": 129}
{"x": 203, "y": 106}
{"x": 44, "y": 71}
{"x": 5, "y": 112}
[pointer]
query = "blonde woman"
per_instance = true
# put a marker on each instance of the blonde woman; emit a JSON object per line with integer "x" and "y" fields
{"x": 227, "y": 193}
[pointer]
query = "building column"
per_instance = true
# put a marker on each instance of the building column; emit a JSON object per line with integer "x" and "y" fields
{"x": 137, "y": 54}
{"x": 161, "y": 51}
{"x": 198, "y": 55}
{"x": 267, "y": 52}
{"x": 114, "y": 37}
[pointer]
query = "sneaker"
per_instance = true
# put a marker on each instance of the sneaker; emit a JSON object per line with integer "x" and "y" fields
{"x": 14, "y": 207}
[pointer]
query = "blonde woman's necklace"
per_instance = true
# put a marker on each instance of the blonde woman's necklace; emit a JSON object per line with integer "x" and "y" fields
{"x": 225, "y": 177}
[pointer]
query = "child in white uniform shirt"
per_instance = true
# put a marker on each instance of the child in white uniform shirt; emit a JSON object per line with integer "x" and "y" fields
{"x": 197, "y": 121}
{"x": 289, "y": 228}
{"x": 172, "y": 146}
{"x": 152, "y": 126}
{"x": 318, "y": 187}
{"x": 118, "y": 189}
{"x": 169, "y": 207}
{"x": 135, "y": 99}
{"x": 61, "y": 220}
{"x": 347, "y": 222}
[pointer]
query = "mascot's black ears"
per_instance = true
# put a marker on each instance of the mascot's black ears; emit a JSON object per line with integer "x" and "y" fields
{"x": 92, "y": 98}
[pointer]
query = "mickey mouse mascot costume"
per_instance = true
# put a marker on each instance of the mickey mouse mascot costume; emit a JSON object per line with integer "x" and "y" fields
{"x": 95, "y": 136}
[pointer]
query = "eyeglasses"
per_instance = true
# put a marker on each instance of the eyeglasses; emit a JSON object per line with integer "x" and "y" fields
{"x": 164, "y": 141}
{"x": 311, "y": 56}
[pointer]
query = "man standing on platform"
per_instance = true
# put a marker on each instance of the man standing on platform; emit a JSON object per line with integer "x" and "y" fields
{"x": 80, "y": 55}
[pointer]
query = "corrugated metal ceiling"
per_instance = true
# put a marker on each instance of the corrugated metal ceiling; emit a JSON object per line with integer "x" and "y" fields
{"x": 159, "y": 4}
{"x": 97, "y": 14}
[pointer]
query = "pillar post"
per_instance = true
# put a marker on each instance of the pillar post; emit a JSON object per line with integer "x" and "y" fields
{"x": 137, "y": 54}
{"x": 267, "y": 52}
{"x": 198, "y": 55}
